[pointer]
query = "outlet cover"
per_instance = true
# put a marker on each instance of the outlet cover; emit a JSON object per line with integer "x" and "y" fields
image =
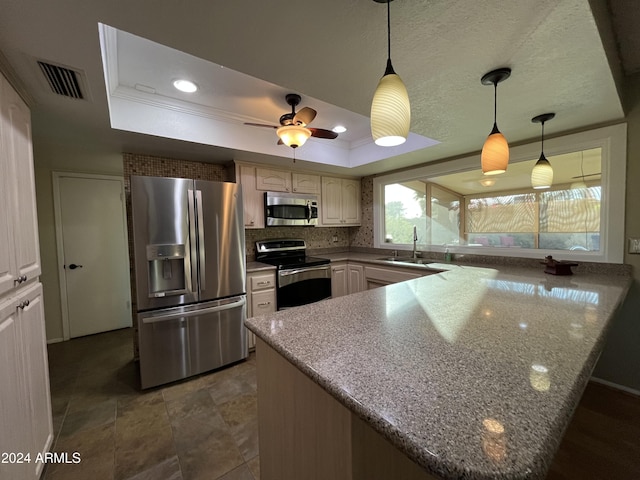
{"x": 634, "y": 245}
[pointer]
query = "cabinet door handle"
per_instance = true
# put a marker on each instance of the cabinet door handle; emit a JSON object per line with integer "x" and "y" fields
{"x": 23, "y": 305}
{"x": 264, "y": 304}
{"x": 264, "y": 283}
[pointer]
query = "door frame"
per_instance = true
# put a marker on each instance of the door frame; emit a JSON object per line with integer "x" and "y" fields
{"x": 56, "y": 176}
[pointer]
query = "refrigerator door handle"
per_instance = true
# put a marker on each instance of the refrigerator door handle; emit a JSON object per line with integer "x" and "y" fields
{"x": 201, "y": 249}
{"x": 192, "y": 236}
{"x": 194, "y": 313}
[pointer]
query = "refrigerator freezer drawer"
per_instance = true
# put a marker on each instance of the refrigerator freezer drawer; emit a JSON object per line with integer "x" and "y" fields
{"x": 180, "y": 342}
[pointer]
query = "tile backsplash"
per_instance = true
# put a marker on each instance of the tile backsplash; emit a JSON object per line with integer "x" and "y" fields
{"x": 317, "y": 238}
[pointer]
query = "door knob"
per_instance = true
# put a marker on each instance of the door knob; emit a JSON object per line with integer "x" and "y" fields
{"x": 73, "y": 266}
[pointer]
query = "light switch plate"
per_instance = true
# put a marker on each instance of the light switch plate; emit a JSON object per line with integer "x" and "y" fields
{"x": 634, "y": 245}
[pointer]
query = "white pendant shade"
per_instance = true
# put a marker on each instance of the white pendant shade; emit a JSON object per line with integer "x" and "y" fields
{"x": 390, "y": 112}
{"x": 293, "y": 135}
{"x": 542, "y": 174}
{"x": 579, "y": 185}
{"x": 495, "y": 154}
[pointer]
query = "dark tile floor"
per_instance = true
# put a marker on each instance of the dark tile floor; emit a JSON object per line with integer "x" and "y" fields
{"x": 202, "y": 428}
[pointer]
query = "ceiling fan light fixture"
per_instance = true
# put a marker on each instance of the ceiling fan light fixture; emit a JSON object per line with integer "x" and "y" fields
{"x": 542, "y": 173}
{"x": 390, "y": 108}
{"x": 495, "y": 151}
{"x": 293, "y": 136}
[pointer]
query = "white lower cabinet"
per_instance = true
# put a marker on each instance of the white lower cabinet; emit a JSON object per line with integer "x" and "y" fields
{"x": 375, "y": 277}
{"x": 355, "y": 273}
{"x": 261, "y": 298}
{"x": 339, "y": 279}
{"x": 346, "y": 278}
{"x": 351, "y": 277}
{"x": 25, "y": 401}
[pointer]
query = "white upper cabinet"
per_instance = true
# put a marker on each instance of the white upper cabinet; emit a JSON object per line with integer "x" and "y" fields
{"x": 340, "y": 201}
{"x": 306, "y": 183}
{"x": 252, "y": 198}
{"x": 272, "y": 180}
{"x": 339, "y": 197}
{"x": 19, "y": 250}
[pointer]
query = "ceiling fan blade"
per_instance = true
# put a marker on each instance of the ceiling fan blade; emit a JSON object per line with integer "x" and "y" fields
{"x": 588, "y": 175}
{"x": 305, "y": 116}
{"x": 322, "y": 133}
{"x": 260, "y": 125}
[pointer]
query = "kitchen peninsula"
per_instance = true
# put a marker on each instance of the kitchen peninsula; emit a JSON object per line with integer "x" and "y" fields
{"x": 470, "y": 373}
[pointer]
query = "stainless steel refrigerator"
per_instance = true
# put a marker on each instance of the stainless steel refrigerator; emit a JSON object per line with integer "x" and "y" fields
{"x": 189, "y": 250}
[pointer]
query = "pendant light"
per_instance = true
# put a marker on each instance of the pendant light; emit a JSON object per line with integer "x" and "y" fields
{"x": 542, "y": 173}
{"x": 390, "y": 109}
{"x": 495, "y": 151}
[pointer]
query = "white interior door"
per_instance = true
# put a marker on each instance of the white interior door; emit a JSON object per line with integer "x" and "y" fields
{"x": 93, "y": 254}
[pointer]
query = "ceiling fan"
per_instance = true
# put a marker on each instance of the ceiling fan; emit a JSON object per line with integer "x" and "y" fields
{"x": 588, "y": 175}
{"x": 293, "y": 130}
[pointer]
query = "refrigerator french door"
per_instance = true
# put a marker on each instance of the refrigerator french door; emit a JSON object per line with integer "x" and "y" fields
{"x": 189, "y": 252}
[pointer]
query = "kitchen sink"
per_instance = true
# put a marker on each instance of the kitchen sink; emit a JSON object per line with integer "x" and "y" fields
{"x": 417, "y": 261}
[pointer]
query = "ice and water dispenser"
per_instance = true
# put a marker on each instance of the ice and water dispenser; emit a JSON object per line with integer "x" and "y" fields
{"x": 167, "y": 270}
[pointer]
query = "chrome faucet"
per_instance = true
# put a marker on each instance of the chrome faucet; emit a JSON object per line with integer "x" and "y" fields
{"x": 415, "y": 239}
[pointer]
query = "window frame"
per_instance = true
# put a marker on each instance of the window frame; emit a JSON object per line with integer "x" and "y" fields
{"x": 613, "y": 142}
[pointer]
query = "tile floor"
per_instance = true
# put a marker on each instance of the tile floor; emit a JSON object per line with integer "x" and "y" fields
{"x": 202, "y": 428}
{"x": 206, "y": 427}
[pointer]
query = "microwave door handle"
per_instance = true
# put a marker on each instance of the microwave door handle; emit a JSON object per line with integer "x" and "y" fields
{"x": 201, "y": 249}
{"x": 308, "y": 211}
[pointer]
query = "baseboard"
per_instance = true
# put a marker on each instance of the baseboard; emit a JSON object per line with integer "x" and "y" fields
{"x": 54, "y": 340}
{"x": 616, "y": 386}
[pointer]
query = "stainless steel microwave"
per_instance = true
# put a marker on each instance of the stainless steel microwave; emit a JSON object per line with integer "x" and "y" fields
{"x": 290, "y": 209}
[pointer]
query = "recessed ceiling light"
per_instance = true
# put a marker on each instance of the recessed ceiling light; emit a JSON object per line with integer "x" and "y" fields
{"x": 185, "y": 86}
{"x": 488, "y": 182}
{"x": 339, "y": 129}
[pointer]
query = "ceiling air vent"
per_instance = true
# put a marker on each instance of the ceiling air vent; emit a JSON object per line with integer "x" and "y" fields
{"x": 62, "y": 81}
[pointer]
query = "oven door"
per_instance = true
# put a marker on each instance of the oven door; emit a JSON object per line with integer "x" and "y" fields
{"x": 299, "y": 286}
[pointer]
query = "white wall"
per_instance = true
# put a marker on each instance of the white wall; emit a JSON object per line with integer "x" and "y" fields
{"x": 620, "y": 360}
{"x": 48, "y": 157}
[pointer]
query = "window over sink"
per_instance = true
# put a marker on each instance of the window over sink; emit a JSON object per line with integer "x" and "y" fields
{"x": 452, "y": 205}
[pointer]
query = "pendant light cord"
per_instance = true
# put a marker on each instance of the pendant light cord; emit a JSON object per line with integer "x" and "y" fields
{"x": 542, "y": 140}
{"x": 495, "y": 104}
{"x": 495, "y": 108}
{"x": 389, "y": 30}
{"x": 389, "y": 70}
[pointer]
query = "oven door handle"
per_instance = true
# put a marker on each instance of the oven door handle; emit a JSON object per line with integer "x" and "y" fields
{"x": 296, "y": 271}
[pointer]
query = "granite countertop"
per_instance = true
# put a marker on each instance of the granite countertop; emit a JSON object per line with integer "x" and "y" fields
{"x": 254, "y": 266}
{"x": 473, "y": 372}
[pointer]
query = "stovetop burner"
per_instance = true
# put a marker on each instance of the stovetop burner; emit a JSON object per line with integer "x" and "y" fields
{"x": 286, "y": 253}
